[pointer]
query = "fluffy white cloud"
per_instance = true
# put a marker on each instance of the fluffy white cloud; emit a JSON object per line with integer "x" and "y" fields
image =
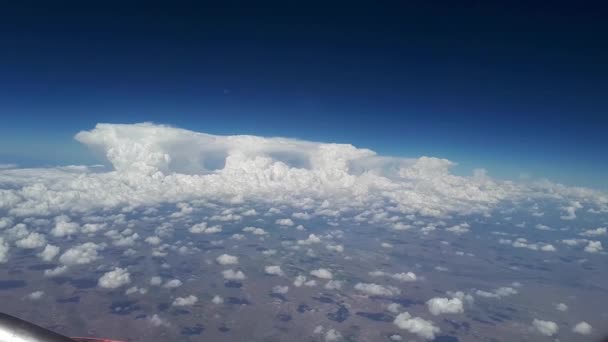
{"x": 49, "y": 252}
{"x": 440, "y": 305}
{"x": 497, "y": 293}
{"x": 273, "y": 270}
{"x": 233, "y": 275}
{"x": 59, "y": 270}
{"x": 33, "y": 240}
{"x": 185, "y": 301}
{"x": 595, "y": 232}
{"x": 322, "y": 273}
{"x": 561, "y": 307}
{"x": 334, "y": 285}
{"x": 255, "y": 231}
{"x": 594, "y": 247}
{"x": 546, "y": 328}
{"x": 217, "y": 300}
{"x": 403, "y": 276}
{"x": 35, "y": 295}
{"x": 416, "y": 325}
{"x": 280, "y": 289}
{"x": 113, "y": 279}
{"x": 4, "y": 248}
{"x": 332, "y": 335}
{"x": 284, "y": 222}
{"x": 201, "y": 228}
{"x": 64, "y": 227}
{"x": 582, "y": 328}
{"x": 311, "y": 239}
{"x": 377, "y": 290}
{"x": 226, "y": 259}
{"x": 81, "y": 254}
{"x": 459, "y": 229}
{"x": 156, "y": 321}
{"x": 173, "y": 283}
{"x": 156, "y": 281}
{"x": 157, "y": 164}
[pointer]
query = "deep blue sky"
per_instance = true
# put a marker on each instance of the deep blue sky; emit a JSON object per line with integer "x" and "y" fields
{"x": 512, "y": 88}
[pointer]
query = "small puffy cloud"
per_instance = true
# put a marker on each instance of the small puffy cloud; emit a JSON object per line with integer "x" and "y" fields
{"x": 185, "y": 301}
{"x": 416, "y": 325}
{"x": 201, "y": 228}
{"x": 312, "y": 239}
{"x": 377, "y": 290}
{"x": 386, "y": 245}
{"x": 80, "y": 255}
{"x": 217, "y": 300}
{"x": 322, "y": 273}
{"x": 255, "y": 231}
{"x": 332, "y": 335}
{"x": 135, "y": 289}
{"x": 64, "y": 227}
{"x": 59, "y": 270}
{"x": 153, "y": 240}
{"x": 548, "y": 248}
{"x": 284, "y": 222}
{"x": 394, "y": 307}
{"x": 440, "y": 305}
{"x": 404, "y": 277}
{"x": 233, "y": 275}
{"x": 280, "y": 289}
{"x": 335, "y": 248}
{"x": 156, "y": 321}
{"x": 49, "y": 252}
{"x": 35, "y": 295}
{"x": 273, "y": 270}
{"x": 561, "y": 307}
{"x": 570, "y": 211}
{"x": 334, "y": 285}
{"x": 594, "y": 232}
{"x": 31, "y": 241}
{"x": 5, "y": 222}
{"x": 546, "y": 328}
{"x": 541, "y": 226}
{"x": 582, "y": 328}
{"x": 173, "y": 283}
{"x": 497, "y": 293}
{"x": 4, "y": 248}
{"x": 459, "y": 229}
{"x": 594, "y": 247}
{"x": 226, "y": 259}
{"x": 113, "y": 279}
{"x": 156, "y": 281}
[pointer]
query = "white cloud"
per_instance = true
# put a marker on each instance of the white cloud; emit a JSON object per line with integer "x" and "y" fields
{"x": 280, "y": 289}
{"x": 33, "y": 240}
{"x": 226, "y": 259}
{"x": 546, "y": 328}
{"x": 335, "y": 248}
{"x": 459, "y": 229}
{"x": 561, "y": 307}
{"x": 81, "y": 254}
{"x": 35, "y": 295}
{"x": 273, "y": 270}
{"x": 59, "y": 270}
{"x": 594, "y": 232}
{"x": 312, "y": 239}
{"x": 4, "y": 248}
{"x": 64, "y": 227}
{"x": 332, "y": 335}
{"x": 153, "y": 240}
{"x": 334, "y": 285}
{"x": 113, "y": 279}
{"x": 255, "y": 231}
{"x": 185, "y": 301}
{"x": 497, "y": 293}
{"x": 233, "y": 275}
{"x": 416, "y": 325}
{"x": 173, "y": 283}
{"x": 156, "y": 321}
{"x": 571, "y": 211}
{"x": 377, "y": 290}
{"x": 582, "y": 328}
{"x": 440, "y": 305}
{"x": 594, "y": 247}
{"x": 284, "y": 222}
{"x": 156, "y": 281}
{"x": 49, "y": 252}
{"x": 322, "y": 273}
{"x": 201, "y": 228}
{"x": 217, "y": 300}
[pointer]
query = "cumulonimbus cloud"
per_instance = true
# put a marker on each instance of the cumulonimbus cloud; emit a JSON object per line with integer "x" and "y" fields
{"x": 154, "y": 164}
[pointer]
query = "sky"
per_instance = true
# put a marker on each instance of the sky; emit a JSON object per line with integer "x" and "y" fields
{"x": 517, "y": 89}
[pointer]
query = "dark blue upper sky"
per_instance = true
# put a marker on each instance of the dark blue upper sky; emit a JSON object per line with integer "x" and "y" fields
{"x": 514, "y": 88}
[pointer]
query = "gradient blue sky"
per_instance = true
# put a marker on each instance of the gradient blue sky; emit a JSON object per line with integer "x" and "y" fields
{"x": 515, "y": 89}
